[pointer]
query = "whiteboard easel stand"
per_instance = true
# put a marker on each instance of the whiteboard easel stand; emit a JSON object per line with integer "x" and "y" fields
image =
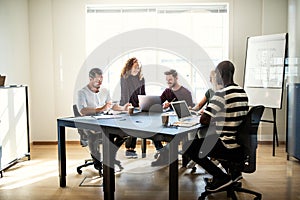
{"x": 275, "y": 135}
{"x": 262, "y": 54}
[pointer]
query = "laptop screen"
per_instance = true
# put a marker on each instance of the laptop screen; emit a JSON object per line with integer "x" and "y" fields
{"x": 150, "y": 103}
{"x": 181, "y": 109}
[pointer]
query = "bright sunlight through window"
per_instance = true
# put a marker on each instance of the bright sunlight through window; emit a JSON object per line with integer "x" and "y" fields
{"x": 207, "y": 25}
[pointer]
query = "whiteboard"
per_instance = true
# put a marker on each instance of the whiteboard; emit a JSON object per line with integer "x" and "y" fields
{"x": 264, "y": 69}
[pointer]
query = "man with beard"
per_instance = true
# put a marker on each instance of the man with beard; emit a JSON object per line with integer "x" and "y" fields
{"x": 175, "y": 92}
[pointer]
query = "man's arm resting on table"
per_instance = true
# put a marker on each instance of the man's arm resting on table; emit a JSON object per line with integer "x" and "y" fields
{"x": 93, "y": 111}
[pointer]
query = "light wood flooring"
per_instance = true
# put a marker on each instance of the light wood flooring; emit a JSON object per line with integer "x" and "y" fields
{"x": 37, "y": 179}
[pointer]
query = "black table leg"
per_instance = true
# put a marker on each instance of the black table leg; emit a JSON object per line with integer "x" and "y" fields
{"x": 173, "y": 171}
{"x": 108, "y": 167}
{"x": 144, "y": 146}
{"x": 61, "y": 155}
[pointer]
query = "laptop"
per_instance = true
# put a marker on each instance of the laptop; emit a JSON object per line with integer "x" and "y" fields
{"x": 186, "y": 119}
{"x": 2, "y": 80}
{"x": 150, "y": 103}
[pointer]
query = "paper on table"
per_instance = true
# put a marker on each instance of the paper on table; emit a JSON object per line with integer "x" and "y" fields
{"x": 106, "y": 116}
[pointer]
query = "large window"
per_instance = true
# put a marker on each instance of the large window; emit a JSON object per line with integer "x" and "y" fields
{"x": 207, "y": 25}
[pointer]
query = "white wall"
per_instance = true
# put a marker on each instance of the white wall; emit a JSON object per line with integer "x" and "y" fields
{"x": 274, "y": 20}
{"x": 43, "y": 123}
{"x": 57, "y": 51}
{"x": 14, "y": 42}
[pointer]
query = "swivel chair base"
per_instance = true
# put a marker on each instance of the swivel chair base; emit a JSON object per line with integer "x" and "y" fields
{"x": 89, "y": 162}
{"x": 231, "y": 189}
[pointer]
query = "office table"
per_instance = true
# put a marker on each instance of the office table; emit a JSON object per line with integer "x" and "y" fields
{"x": 141, "y": 125}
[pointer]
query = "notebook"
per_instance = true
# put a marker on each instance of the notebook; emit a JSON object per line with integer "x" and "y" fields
{"x": 150, "y": 103}
{"x": 186, "y": 119}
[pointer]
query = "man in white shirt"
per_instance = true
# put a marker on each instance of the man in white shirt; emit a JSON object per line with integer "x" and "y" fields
{"x": 93, "y": 99}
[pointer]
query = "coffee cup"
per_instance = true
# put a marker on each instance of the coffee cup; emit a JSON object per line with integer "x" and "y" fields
{"x": 130, "y": 110}
{"x": 165, "y": 120}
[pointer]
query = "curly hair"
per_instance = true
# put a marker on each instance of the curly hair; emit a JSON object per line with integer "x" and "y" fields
{"x": 126, "y": 71}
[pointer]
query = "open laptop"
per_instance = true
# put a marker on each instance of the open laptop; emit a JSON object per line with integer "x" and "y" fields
{"x": 150, "y": 103}
{"x": 186, "y": 119}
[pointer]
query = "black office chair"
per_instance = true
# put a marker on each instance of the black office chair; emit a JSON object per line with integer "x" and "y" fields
{"x": 84, "y": 143}
{"x": 247, "y": 139}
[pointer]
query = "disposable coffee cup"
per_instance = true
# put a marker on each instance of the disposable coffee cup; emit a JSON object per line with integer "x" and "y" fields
{"x": 130, "y": 110}
{"x": 165, "y": 120}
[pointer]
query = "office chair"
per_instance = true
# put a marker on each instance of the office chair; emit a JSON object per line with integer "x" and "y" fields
{"x": 247, "y": 139}
{"x": 84, "y": 143}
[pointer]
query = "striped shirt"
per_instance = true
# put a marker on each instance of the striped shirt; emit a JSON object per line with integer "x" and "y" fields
{"x": 227, "y": 109}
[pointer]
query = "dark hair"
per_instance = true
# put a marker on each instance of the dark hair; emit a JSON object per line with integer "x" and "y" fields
{"x": 226, "y": 69}
{"x": 171, "y": 72}
{"x": 94, "y": 71}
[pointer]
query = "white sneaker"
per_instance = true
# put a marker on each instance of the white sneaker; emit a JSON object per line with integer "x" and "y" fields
{"x": 191, "y": 164}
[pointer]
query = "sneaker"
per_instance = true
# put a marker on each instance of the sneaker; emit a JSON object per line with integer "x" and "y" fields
{"x": 134, "y": 154}
{"x": 131, "y": 154}
{"x": 127, "y": 154}
{"x": 191, "y": 164}
{"x": 218, "y": 184}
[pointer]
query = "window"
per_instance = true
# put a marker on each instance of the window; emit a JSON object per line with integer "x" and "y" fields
{"x": 206, "y": 25}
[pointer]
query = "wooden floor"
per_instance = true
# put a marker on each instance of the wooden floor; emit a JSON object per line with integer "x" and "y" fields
{"x": 37, "y": 179}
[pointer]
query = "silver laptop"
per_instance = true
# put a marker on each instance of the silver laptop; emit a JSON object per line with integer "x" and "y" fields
{"x": 150, "y": 103}
{"x": 181, "y": 110}
{"x": 186, "y": 119}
